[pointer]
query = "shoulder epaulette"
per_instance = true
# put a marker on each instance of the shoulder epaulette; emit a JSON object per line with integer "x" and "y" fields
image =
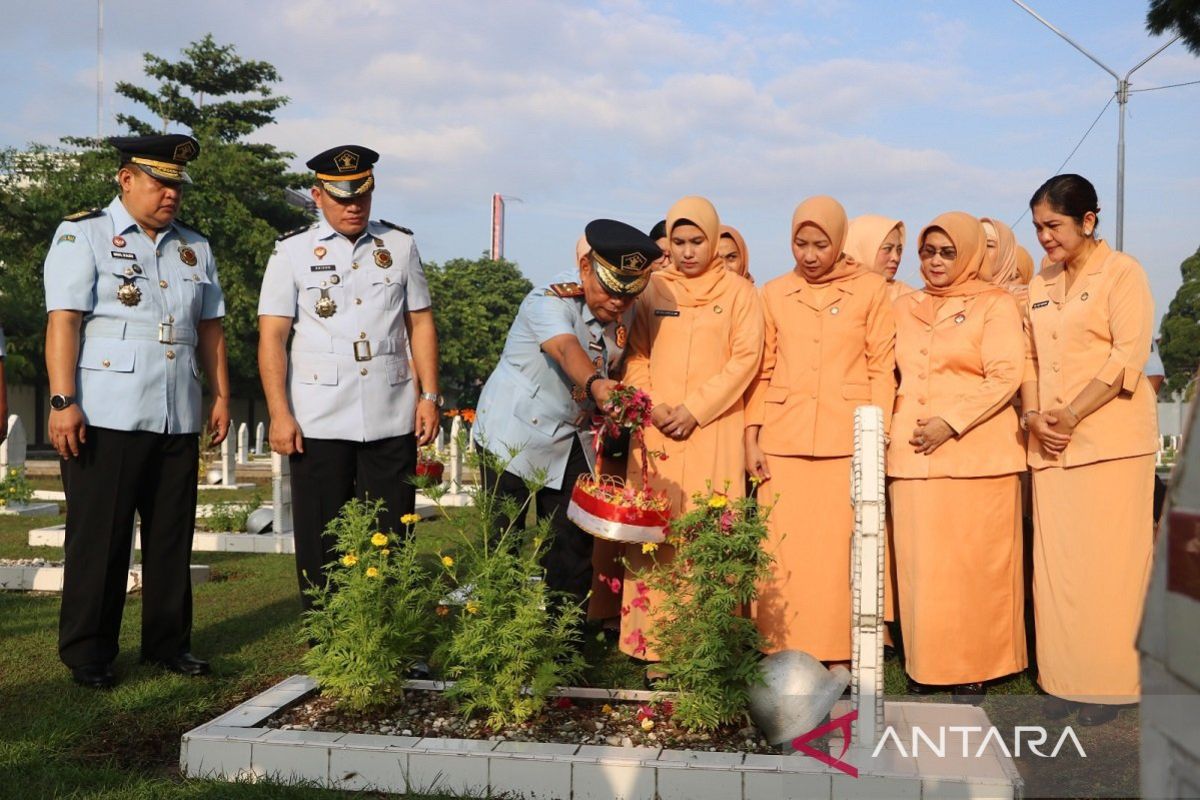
{"x": 565, "y": 290}
{"x": 294, "y": 231}
{"x": 400, "y": 228}
{"x": 88, "y": 214}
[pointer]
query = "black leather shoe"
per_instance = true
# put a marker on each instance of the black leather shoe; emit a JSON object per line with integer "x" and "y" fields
{"x": 969, "y": 693}
{"x": 94, "y": 676}
{"x": 182, "y": 664}
{"x": 924, "y": 688}
{"x": 1091, "y": 714}
{"x": 1057, "y": 707}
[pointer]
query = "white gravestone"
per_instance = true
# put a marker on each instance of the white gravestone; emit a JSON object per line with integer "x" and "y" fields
{"x": 260, "y": 432}
{"x": 456, "y": 456}
{"x": 867, "y": 548}
{"x": 243, "y": 444}
{"x": 12, "y": 451}
{"x": 228, "y": 464}
{"x": 281, "y": 493}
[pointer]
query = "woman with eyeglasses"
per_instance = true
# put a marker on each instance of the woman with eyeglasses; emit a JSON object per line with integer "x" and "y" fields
{"x": 1093, "y": 428}
{"x": 876, "y": 243}
{"x": 694, "y": 347}
{"x": 955, "y": 458}
{"x": 830, "y": 336}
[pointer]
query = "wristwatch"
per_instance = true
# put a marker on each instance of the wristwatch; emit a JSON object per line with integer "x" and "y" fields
{"x": 434, "y": 398}
{"x": 60, "y": 401}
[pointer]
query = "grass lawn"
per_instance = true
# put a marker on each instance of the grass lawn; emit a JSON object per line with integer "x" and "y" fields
{"x": 59, "y": 740}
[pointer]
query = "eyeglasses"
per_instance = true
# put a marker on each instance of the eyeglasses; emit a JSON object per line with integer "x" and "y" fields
{"x": 929, "y": 251}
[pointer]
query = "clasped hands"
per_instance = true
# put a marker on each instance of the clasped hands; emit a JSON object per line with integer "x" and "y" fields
{"x": 1053, "y": 428}
{"x": 676, "y": 422}
{"x": 930, "y": 434}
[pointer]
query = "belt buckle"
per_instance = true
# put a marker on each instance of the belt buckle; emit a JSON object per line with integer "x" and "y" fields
{"x": 166, "y": 333}
{"x": 362, "y": 350}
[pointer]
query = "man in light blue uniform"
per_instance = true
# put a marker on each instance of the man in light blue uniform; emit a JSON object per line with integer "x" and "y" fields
{"x": 535, "y": 411}
{"x": 346, "y": 409}
{"x": 135, "y": 312}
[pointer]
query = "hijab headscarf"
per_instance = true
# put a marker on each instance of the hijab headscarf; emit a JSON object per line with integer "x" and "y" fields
{"x": 708, "y": 285}
{"x": 865, "y": 236}
{"x": 1024, "y": 265}
{"x": 732, "y": 233}
{"x": 1003, "y": 270}
{"x": 966, "y": 233}
{"x": 828, "y": 215}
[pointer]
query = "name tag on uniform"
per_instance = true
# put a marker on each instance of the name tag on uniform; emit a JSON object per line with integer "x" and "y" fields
{"x": 1041, "y": 304}
{"x": 665, "y": 312}
{"x": 322, "y": 268}
{"x": 122, "y": 254}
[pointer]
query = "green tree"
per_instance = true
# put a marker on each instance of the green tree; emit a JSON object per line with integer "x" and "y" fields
{"x": 1179, "y": 344}
{"x": 1180, "y": 16}
{"x": 474, "y": 303}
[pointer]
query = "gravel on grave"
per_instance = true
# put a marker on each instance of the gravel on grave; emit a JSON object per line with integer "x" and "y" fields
{"x": 28, "y": 562}
{"x": 566, "y": 720}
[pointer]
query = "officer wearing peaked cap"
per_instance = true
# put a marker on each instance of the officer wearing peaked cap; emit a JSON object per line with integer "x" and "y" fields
{"x": 567, "y": 340}
{"x": 135, "y": 312}
{"x": 346, "y": 404}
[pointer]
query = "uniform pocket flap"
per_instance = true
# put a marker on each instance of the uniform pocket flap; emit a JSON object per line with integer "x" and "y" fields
{"x": 776, "y": 394}
{"x": 856, "y": 391}
{"x": 112, "y": 355}
{"x": 315, "y": 371}
{"x": 544, "y": 424}
{"x": 397, "y": 370}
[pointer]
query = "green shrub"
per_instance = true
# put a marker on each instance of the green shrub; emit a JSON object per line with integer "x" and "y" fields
{"x": 375, "y": 617}
{"x": 708, "y": 644}
{"x": 15, "y": 489}
{"x": 231, "y": 515}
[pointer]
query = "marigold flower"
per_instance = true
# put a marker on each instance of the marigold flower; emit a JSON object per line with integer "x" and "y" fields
{"x": 447, "y": 561}
{"x": 649, "y": 547}
{"x": 718, "y": 501}
{"x": 385, "y": 551}
{"x": 472, "y": 607}
{"x": 372, "y": 572}
{"x": 606, "y": 709}
{"x": 442, "y": 611}
{"x": 647, "y": 724}
{"x": 468, "y": 415}
{"x": 349, "y": 560}
{"x": 379, "y": 539}
{"x": 410, "y": 519}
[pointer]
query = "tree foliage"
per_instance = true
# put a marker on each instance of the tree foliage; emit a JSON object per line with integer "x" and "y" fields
{"x": 1180, "y": 16}
{"x": 474, "y": 303}
{"x": 1179, "y": 344}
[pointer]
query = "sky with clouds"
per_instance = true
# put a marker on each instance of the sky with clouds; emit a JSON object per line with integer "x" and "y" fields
{"x": 616, "y": 109}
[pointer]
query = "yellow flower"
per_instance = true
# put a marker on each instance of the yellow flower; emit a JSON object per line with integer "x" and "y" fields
{"x": 349, "y": 560}
{"x": 379, "y": 539}
{"x": 372, "y": 572}
{"x": 385, "y": 551}
{"x": 606, "y": 709}
{"x": 410, "y": 519}
{"x": 472, "y": 607}
{"x": 447, "y": 561}
{"x": 649, "y": 547}
{"x": 718, "y": 501}
{"x": 647, "y": 724}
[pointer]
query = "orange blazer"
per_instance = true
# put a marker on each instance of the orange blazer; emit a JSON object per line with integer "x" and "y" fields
{"x": 1102, "y": 327}
{"x": 822, "y": 358}
{"x": 963, "y": 363}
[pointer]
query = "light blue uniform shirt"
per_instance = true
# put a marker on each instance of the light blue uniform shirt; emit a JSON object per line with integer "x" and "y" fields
{"x": 348, "y": 375}
{"x": 526, "y": 404}
{"x": 137, "y": 368}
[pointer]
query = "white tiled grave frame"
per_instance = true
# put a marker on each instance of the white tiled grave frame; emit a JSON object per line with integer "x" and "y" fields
{"x": 235, "y": 746}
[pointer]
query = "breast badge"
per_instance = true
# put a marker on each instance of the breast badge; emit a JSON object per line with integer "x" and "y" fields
{"x": 129, "y": 294}
{"x": 118, "y": 241}
{"x": 188, "y": 256}
{"x": 622, "y": 335}
{"x": 319, "y": 252}
{"x": 383, "y": 258}
{"x": 325, "y": 307}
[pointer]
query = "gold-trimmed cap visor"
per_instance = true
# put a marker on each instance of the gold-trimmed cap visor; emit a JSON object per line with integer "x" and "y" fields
{"x": 619, "y": 283}
{"x": 163, "y": 170}
{"x": 343, "y": 187}
{"x": 621, "y": 255}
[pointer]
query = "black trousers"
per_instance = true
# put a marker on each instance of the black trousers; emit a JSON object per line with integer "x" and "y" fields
{"x": 568, "y": 558}
{"x": 116, "y": 474}
{"x": 331, "y": 472}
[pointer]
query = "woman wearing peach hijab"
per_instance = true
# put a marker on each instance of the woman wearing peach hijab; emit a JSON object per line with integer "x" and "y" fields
{"x": 731, "y": 249}
{"x": 955, "y": 458}
{"x": 1002, "y": 264}
{"x": 830, "y": 338}
{"x": 876, "y": 243}
{"x": 694, "y": 346}
{"x": 1093, "y": 435}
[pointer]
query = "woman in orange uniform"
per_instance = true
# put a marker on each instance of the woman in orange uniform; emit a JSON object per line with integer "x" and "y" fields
{"x": 694, "y": 347}
{"x": 830, "y": 338}
{"x": 955, "y": 458}
{"x": 732, "y": 250}
{"x": 1093, "y": 430}
{"x": 876, "y": 243}
{"x": 1006, "y": 264}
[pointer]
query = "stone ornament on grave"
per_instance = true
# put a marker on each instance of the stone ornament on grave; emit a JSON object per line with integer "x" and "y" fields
{"x": 228, "y": 465}
{"x": 243, "y": 444}
{"x": 12, "y": 450}
{"x": 281, "y": 493}
{"x": 260, "y": 431}
{"x": 456, "y": 456}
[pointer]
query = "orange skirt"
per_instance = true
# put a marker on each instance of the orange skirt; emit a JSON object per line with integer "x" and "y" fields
{"x": 805, "y": 604}
{"x": 959, "y": 577}
{"x": 1092, "y": 546}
